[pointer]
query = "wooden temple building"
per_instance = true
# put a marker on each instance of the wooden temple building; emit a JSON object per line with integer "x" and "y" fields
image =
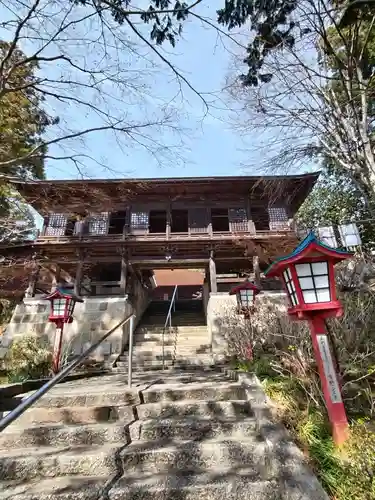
{"x": 97, "y": 234}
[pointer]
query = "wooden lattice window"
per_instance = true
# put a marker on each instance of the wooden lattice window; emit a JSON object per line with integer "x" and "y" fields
{"x": 139, "y": 221}
{"x": 98, "y": 223}
{"x": 56, "y": 225}
{"x": 278, "y": 218}
{"x": 238, "y": 219}
{"x": 198, "y": 220}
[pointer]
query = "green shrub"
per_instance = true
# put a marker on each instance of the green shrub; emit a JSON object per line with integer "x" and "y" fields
{"x": 358, "y": 481}
{"x": 29, "y": 357}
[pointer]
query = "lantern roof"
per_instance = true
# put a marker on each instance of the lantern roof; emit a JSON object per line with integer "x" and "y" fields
{"x": 309, "y": 247}
{"x": 246, "y": 285}
{"x": 61, "y": 293}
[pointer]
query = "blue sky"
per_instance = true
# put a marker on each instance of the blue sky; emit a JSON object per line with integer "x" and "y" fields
{"x": 211, "y": 147}
{"x": 198, "y": 144}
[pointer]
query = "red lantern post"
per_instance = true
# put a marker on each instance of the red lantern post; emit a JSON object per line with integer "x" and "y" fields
{"x": 62, "y": 308}
{"x": 309, "y": 281}
{"x": 246, "y": 293}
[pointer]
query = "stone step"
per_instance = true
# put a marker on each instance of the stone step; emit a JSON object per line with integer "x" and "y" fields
{"x": 213, "y": 409}
{"x": 153, "y": 363}
{"x": 70, "y": 398}
{"x": 63, "y": 435}
{"x": 218, "y": 484}
{"x": 169, "y": 346}
{"x": 186, "y": 325}
{"x": 46, "y": 461}
{"x": 141, "y": 457}
{"x": 192, "y": 428}
{"x": 169, "y": 351}
{"x": 181, "y": 330}
{"x": 159, "y": 457}
{"x": 194, "y": 391}
{"x": 158, "y": 334}
{"x": 73, "y": 415}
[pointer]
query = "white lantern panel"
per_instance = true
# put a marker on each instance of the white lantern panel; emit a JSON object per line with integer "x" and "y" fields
{"x": 246, "y": 296}
{"x": 323, "y": 295}
{"x": 303, "y": 270}
{"x": 309, "y": 296}
{"x": 319, "y": 268}
{"x": 291, "y": 289}
{"x": 321, "y": 281}
{"x": 59, "y": 307}
{"x": 306, "y": 283}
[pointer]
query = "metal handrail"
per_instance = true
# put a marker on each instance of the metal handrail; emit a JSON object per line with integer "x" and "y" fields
{"x": 22, "y": 407}
{"x": 169, "y": 317}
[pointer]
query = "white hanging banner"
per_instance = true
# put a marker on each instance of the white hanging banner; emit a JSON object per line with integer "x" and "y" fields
{"x": 329, "y": 369}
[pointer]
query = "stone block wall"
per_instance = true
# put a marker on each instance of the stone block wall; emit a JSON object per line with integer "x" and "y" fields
{"x": 92, "y": 319}
{"x": 228, "y": 329}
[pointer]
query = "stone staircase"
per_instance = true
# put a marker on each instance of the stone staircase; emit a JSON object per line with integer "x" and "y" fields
{"x": 177, "y": 435}
{"x": 186, "y": 343}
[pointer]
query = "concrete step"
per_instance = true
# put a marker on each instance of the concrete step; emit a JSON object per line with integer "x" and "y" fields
{"x": 63, "y": 435}
{"x": 73, "y": 415}
{"x": 218, "y": 484}
{"x": 194, "y": 391}
{"x": 192, "y": 428}
{"x": 213, "y": 409}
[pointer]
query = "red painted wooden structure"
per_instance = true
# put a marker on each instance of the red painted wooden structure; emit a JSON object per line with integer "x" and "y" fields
{"x": 62, "y": 308}
{"x": 309, "y": 280}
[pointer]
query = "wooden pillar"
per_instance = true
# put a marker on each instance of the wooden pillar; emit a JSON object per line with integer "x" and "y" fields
{"x": 256, "y": 268}
{"x": 78, "y": 277}
{"x": 126, "y": 228}
{"x": 124, "y": 274}
{"x": 45, "y": 224}
{"x": 56, "y": 277}
{"x": 209, "y": 219}
{"x": 212, "y": 267}
{"x": 169, "y": 221}
{"x": 30, "y": 290}
{"x": 250, "y": 223}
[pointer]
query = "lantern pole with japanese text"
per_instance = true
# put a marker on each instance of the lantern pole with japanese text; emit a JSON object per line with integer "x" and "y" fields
{"x": 308, "y": 278}
{"x": 62, "y": 308}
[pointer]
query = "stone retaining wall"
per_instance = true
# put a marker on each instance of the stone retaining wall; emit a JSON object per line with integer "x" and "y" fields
{"x": 92, "y": 319}
{"x": 225, "y": 324}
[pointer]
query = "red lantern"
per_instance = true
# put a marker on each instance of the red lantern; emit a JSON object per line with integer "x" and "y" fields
{"x": 309, "y": 280}
{"x": 246, "y": 293}
{"x": 62, "y": 308}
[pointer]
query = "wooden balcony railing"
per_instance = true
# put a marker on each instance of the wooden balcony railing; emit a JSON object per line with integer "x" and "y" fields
{"x": 170, "y": 236}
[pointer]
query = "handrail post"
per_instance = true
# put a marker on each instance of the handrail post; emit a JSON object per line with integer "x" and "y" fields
{"x": 130, "y": 357}
{"x": 168, "y": 318}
